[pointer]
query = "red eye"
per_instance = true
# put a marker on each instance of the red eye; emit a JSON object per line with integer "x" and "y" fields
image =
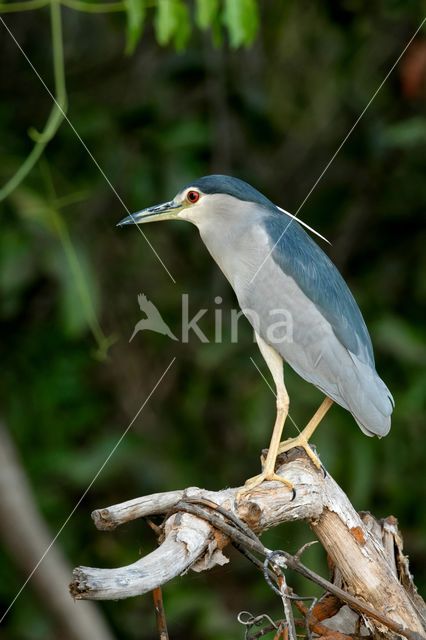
{"x": 192, "y": 196}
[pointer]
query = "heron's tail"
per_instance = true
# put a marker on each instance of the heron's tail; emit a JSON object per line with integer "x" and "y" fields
{"x": 370, "y": 401}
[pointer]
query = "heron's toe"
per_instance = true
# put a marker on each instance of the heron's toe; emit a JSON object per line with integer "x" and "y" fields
{"x": 300, "y": 441}
{"x": 254, "y": 482}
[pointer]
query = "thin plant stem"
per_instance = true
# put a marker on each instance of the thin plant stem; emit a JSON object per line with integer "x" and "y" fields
{"x": 91, "y": 7}
{"x": 27, "y": 5}
{"x": 58, "y": 110}
{"x": 77, "y": 5}
{"x": 61, "y": 229}
{"x": 71, "y": 198}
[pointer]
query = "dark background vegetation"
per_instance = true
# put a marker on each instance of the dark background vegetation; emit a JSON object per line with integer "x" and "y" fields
{"x": 273, "y": 113}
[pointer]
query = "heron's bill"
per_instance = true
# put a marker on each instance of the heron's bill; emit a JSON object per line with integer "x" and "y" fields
{"x": 165, "y": 211}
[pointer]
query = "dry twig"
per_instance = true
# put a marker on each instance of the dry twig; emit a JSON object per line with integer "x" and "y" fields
{"x": 199, "y": 524}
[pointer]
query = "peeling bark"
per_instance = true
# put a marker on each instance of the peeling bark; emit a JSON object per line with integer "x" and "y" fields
{"x": 367, "y": 555}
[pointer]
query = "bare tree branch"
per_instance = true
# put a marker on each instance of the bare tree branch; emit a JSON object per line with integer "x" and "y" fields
{"x": 194, "y": 537}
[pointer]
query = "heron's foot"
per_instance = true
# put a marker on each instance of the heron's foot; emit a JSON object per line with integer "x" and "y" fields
{"x": 300, "y": 441}
{"x": 254, "y": 482}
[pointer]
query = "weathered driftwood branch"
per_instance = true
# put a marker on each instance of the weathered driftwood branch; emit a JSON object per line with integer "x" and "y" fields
{"x": 368, "y": 557}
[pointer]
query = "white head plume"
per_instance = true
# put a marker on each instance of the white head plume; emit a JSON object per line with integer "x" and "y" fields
{"x": 303, "y": 224}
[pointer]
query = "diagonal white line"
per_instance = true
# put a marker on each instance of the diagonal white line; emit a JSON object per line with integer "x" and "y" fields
{"x": 107, "y": 459}
{"x": 96, "y": 163}
{"x": 265, "y": 379}
{"x": 273, "y": 391}
{"x": 339, "y": 148}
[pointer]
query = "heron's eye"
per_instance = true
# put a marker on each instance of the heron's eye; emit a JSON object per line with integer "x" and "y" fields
{"x": 192, "y": 197}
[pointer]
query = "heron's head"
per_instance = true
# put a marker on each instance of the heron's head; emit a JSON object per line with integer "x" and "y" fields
{"x": 202, "y": 200}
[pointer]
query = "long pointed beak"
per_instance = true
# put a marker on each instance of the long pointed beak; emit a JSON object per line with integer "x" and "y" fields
{"x": 165, "y": 211}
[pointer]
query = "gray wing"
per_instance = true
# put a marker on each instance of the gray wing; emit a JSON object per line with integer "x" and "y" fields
{"x": 313, "y": 271}
{"x": 333, "y": 350}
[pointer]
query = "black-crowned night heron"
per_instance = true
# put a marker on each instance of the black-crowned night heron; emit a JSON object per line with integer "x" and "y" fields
{"x": 274, "y": 266}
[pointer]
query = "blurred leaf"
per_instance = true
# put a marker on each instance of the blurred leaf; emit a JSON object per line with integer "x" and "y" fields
{"x": 78, "y": 470}
{"x": 413, "y": 400}
{"x": 135, "y": 10}
{"x": 33, "y": 207}
{"x": 213, "y": 354}
{"x": 172, "y": 21}
{"x": 76, "y": 314}
{"x": 405, "y": 134}
{"x": 399, "y": 338}
{"x": 15, "y": 261}
{"x": 17, "y": 269}
{"x": 183, "y": 31}
{"x": 68, "y": 264}
{"x": 242, "y": 21}
{"x": 164, "y": 21}
{"x": 187, "y": 133}
{"x": 206, "y": 12}
{"x": 208, "y": 15}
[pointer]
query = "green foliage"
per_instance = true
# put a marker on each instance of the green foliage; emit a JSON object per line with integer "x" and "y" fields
{"x": 172, "y": 23}
{"x": 406, "y": 134}
{"x": 57, "y": 112}
{"x": 273, "y": 114}
{"x": 136, "y": 12}
{"x": 61, "y": 259}
{"x": 206, "y": 12}
{"x": 242, "y": 21}
{"x": 172, "y": 19}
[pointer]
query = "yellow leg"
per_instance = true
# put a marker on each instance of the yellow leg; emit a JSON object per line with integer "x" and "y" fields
{"x": 302, "y": 439}
{"x": 275, "y": 364}
{"x": 268, "y": 471}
